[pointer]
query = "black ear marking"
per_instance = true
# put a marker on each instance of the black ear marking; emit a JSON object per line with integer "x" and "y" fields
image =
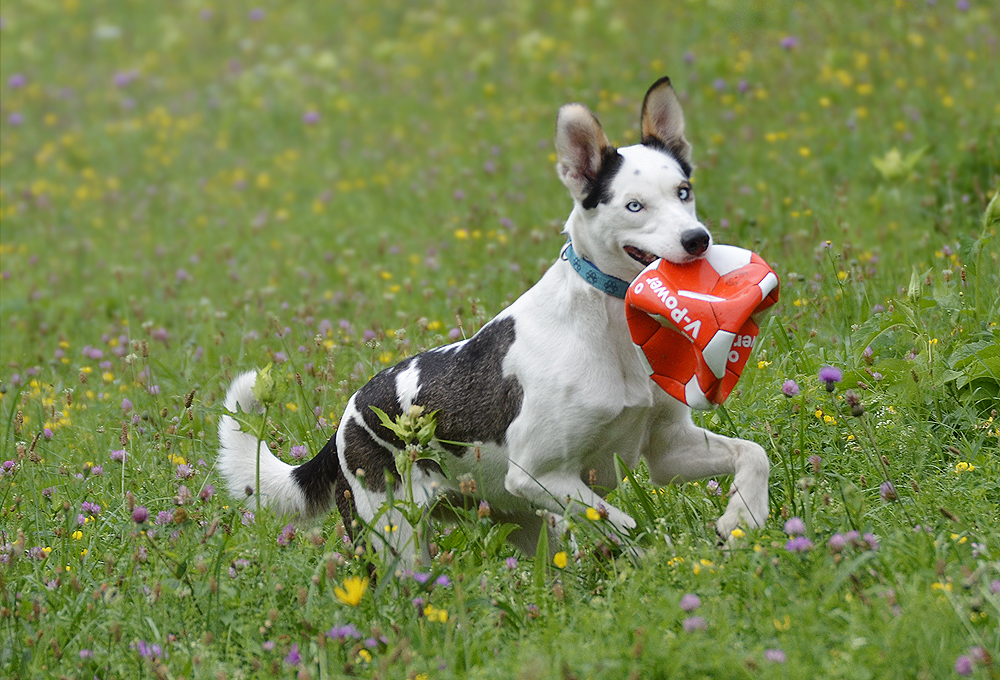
{"x": 662, "y": 124}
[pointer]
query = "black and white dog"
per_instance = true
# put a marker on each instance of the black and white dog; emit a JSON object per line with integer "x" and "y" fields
{"x": 551, "y": 389}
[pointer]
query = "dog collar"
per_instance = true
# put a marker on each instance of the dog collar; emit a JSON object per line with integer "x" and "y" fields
{"x": 594, "y": 276}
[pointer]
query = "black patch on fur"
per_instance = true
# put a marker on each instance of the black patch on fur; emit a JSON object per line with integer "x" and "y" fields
{"x": 318, "y": 477}
{"x": 675, "y": 151}
{"x": 467, "y": 388}
{"x": 363, "y": 452}
{"x": 598, "y": 190}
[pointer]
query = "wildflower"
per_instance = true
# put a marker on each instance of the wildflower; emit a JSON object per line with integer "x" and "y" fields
{"x": 17, "y": 81}
{"x": 97, "y": 470}
{"x": 995, "y": 587}
{"x": 963, "y": 665}
{"x": 310, "y": 117}
{"x": 86, "y": 654}
{"x": 799, "y": 544}
{"x": 871, "y": 541}
{"x": 293, "y": 658}
{"x": 888, "y": 491}
{"x": 47, "y": 433}
{"x": 140, "y": 514}
{"x": 118, "y": 455}
{"x": 816, "y": 462}
{"x": 789, "y": 42}
{"x": 852, "y": 399}
{"x": 775, "y": 655}
{"x": 286, "y": 536}
{"x": 299, "y": 452}
{"x": 256, "y": 14}
{"x": 693, "y": 623}
{"x": 184, "y": 471}
{"x": 712, "y": 488}
{"x": 352, "y": 592}
{"x": 432, "y": 613}
{"x": 511, "y": 564}
{"x": 443, "y": 581}
{"x": 795, "y": 526}
{"x": 559, "y": 559}
{"x": 90, "y": 508}
{"x": 207, "y": 492}
{"x": 593, "y": 515}
{"x": 737, "y": 533}
{"x": 268, "y": 645}
{"x": 8, "y": 467}
{"x": 964, "y": 467}
{"x": 790, "y": 388}
{"x": 836, "y": 543}
{"x": 484, "y": 509}
{"x": 126, "y": 405}
{"x": 830, "y": 376}
{"x": 344, "y": 632}
{"x": 690, "y": 602}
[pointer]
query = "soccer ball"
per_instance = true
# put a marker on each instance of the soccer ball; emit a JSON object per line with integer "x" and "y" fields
{"x": 693, "y": 324}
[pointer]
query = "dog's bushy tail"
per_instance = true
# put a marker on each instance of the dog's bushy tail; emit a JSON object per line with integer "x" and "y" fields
{"x": 305, "y": 489}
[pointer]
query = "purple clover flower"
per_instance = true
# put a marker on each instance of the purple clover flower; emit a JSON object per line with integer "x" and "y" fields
{"x": 345, "y": 632}
{"x": 690, "y": 602}
{"x": 799, "y": 544}
{"x": 830, "y": 376}
{"x": 794, "y": 526}
{"x": 511, "y": 564}
{"x": 775, "y": 655}
{"x": 293, "y": 658}
{"x": 140, "y": 514}
{"x": 836, "y": 543}
{"x": 790, "y": 388}
{"x": 90, "y": 508}
{"x": 963, "y": 665}
{"x": 299, "y": 452}
{"x": 789, "y": 42}
{"x": 693, "y": 623}
{"x": 286, "y": 536}
{"x": 118, "y": 455}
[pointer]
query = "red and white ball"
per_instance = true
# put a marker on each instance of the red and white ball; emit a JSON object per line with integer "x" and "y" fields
{"x": 693, "y": 324}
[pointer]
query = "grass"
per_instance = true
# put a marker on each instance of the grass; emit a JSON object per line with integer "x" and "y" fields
{"x": 191, "y": 191}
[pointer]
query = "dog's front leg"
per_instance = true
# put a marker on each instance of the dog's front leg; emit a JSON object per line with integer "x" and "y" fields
{"x": 561, "y": 492}
{"x": 679, "y": 451}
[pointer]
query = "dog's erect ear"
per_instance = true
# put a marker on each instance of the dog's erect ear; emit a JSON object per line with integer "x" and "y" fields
{"x": 663, "y": 123}
{"x": 580, "y": 147}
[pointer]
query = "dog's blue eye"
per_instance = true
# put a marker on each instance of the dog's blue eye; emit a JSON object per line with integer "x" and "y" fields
{"x": 684, "y": 193}
{"x": 633, "y": 206}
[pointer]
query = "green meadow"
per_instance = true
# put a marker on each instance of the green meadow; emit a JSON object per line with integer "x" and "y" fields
{"x": 192, "y": 189}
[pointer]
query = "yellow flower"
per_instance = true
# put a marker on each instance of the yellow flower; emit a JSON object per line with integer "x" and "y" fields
{"x": 593, "y": 515}
{"x": 77, "y": 535}
{"x": 964, "y": 467}
{"x": 365, "y": 655}
{"x": 432, "y": 613}
{"x": 353, "y": 590}
{"x": 559, "y": 559}
{"x": 763, "y": 364}
{"x": 738, "y": 533}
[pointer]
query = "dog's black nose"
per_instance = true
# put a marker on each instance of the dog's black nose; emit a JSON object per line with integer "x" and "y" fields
{"x": 695, "y": 241}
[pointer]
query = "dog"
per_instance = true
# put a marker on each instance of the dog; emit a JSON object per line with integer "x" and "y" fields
{"x": 537, "y": 404}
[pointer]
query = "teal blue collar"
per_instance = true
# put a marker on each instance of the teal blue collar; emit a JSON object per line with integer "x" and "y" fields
{"x": 594, "y": 276}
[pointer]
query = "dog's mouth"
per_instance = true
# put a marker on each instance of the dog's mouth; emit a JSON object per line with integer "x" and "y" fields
{"x": 640, "y": 256}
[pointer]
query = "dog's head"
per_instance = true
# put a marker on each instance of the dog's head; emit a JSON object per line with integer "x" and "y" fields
{"x": 634, "y": 204}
